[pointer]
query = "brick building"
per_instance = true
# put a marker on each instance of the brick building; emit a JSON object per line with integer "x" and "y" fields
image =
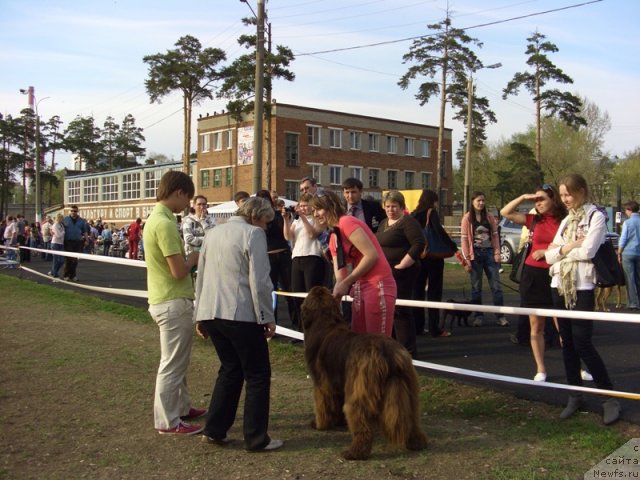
{"x": 329, "y": 146}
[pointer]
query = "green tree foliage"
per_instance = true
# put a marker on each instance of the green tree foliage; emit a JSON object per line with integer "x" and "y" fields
{"x": 239, "y": 77}
{"x": 504, "y": 171}
{"x": 626, "y": 173}
{"x": 82, "y": 137}
{"x": 11, "y": 158}
{"x": 53, "y": 138}
{"x": 446, "y": 53}
{"x": 129, "y": 142}
{"x": 563, "y": 105}
{"x": 110, "y": 131}
{"x": 189, "y": 69}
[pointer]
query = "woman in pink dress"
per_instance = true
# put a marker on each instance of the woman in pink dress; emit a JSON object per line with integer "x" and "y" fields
{"x": 360, "y": 267}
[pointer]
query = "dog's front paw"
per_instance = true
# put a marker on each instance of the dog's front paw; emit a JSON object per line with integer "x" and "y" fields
{"x": 354, "y": 454}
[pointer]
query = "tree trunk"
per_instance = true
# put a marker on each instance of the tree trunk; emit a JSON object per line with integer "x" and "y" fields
{"x": 187, "y": 135}
{"x": 443, "y": 104}
{"x": 538, "y": 128}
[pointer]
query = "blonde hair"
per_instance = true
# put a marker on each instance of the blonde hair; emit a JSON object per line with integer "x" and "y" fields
{"x": 394, "y": 196}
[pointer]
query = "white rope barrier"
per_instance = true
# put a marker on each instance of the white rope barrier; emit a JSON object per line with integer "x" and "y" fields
{"x": 93, "y": 257}
{"x": 280, "y": 330}
{"x": 114, "y": 291}
{"x": 543, "y": 312}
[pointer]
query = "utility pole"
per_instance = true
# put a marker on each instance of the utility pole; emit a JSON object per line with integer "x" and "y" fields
{"x": 467, "y": 158}
{"x": 258, "y": 114}
{"x": 268, "y": 94}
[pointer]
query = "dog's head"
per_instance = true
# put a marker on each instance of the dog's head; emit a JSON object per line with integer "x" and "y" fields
{"x": 320, "y": 306}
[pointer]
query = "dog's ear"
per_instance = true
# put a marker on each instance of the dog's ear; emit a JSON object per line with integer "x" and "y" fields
{"x": 320, "y": 304}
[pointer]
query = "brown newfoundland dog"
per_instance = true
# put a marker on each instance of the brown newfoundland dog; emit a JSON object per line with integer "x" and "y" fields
{"x": 366, "y": 379}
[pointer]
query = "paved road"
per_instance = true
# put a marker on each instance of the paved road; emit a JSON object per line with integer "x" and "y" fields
{"x": 485, "y": 349}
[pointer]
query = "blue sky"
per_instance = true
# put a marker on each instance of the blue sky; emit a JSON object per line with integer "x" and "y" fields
{"x": 87, "y": 57}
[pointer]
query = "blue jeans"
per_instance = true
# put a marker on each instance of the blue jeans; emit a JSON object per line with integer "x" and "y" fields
{"x": 631, "y": 267}
{"x": 58, "y": 260}
{"x": 484, "y": 262}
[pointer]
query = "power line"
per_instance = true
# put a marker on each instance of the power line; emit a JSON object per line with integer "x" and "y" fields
{"x": 389, "y": 42}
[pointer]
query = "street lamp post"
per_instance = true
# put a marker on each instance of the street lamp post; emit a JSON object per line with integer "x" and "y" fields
{"x": 258, "y": 112}
{"x": 467, "y": 159}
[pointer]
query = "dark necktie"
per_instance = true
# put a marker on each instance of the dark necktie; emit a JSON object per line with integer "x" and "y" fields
{"x": 353, "y": 210}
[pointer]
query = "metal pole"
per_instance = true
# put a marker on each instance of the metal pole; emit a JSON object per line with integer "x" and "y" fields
{"x": 467, "y": 159}
{"x": 38, "y": 199}
{"x": 258, "y": 114}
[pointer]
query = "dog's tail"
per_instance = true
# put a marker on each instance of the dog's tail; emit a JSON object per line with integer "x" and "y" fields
{"x": 400, "y": 415}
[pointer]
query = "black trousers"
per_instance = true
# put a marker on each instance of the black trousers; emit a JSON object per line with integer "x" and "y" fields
{"x": 431, "y": 273}
{"x": 404, "y": 329}
{"x": 576, "y": 338}
{"x": 244, "y": 357}
{"x": 71, "y": 264}
{"x": 306, "y": 272}
{"x": 281, "y": 276}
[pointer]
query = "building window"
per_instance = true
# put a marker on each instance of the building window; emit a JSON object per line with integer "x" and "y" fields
{"x": 217, "y": 140}
{"x": 204, "y": 178}
{"x": 205, "y": 142}
{"x": 355, "y": 140}
{"x": 335, "y": 138}
{"x": 151, "y": 182}
{"x": 229, "y": 139}
{"x": 392, "y": 144}
{"x": 426, "y": 148}
{"x": 291, "y": 190}
{"x": 335, "y": 174}
{"x": 410, "y": 147}
{"x": 291, "y": 150}
{"x": 313, "y": 133}
{"x": 374, "y": 142}
{"x": 130, "y": 186}
{"x": 409, "y": 180}
{"x": 90, "y": 190}
{"x": 426, "y": 180}
{"x": 316, "y": 171}
{"x": 110, "y": 188}
{"x": 356, "y": 172}
{"x": 228, "y": 177}
{"x": 217, "y": 177}
{"x": 74, "y": 191}
{"x": 392, "y": 179}
{"x": 374, "y": 177}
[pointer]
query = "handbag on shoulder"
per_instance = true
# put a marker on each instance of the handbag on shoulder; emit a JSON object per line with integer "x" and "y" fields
{"x": 438, "y": 244}
{"x": 608, "y": 271}
{"x": 517, "y": 267}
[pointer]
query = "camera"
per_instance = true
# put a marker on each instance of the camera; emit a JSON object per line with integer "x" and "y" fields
{"x": 291, "y": 211}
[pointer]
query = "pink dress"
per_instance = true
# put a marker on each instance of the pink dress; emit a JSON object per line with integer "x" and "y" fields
{"x": 374, "y": 294}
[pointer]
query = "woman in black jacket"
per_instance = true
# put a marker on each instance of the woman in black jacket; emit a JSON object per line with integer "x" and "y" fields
{"x": 431, "y": 269}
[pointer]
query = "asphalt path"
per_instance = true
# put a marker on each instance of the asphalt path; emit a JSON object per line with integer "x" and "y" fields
{"x": 484, "y": 349}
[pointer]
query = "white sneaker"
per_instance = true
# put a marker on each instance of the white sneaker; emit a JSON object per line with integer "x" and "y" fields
{"x": 503, "y": 322}
{"x": 540, "y": 377}
{"x": 586, "y": 376}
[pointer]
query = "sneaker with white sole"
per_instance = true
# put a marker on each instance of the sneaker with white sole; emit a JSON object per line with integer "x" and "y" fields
{"x": 586, "y": 376}
{"x": 272, "y": 445}
{"x": 540, "y": 377}
{"x": 182, "y": 428}
{"x": 503, "y": 322}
